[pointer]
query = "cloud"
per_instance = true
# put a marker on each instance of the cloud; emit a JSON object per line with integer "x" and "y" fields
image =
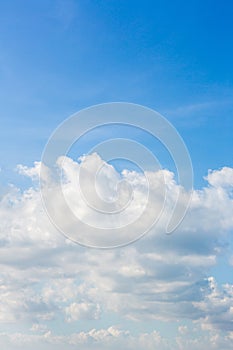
{"x": 113, "y": 338}
{"x": 80, "y": 311}
{"x": 222, "y": 178}
{"x": 45, "y": 277}
{"x": 217, "y": 307}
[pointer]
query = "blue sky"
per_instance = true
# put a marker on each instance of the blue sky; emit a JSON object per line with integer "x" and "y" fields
{"x": 57, "y": 57}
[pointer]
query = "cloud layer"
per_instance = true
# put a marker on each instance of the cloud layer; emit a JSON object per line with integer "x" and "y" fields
{"x": 167, "y": 278}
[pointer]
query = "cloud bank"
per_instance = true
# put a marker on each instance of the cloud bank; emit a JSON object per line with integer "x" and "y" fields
{"x": 160, "y": 278}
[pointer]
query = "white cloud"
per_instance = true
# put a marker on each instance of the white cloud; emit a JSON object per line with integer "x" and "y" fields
{"x": 221, "y": 178}
{"x": 80, "y": 311}
{"x": 45, "y": 277}
{"x": 115, "y": 338}
{"x": 183, "y": 329}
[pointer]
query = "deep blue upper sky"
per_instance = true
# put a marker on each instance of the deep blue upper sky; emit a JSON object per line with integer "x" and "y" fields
{"x": 57, "y": 57}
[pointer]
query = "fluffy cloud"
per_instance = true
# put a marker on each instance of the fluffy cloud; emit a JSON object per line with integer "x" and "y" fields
{"x": 110, "y": 338}
{"x": 113, "y": 338}
{"x": 45, "y": 277}
{"x": 82, "y": 311}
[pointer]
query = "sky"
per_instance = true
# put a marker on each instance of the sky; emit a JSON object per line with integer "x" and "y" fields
{"x": 174, "y": 291}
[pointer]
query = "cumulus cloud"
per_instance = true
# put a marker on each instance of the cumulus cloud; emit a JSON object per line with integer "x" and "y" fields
{"x": 221, "y": 178}
{"x": 45, "y": 277}
{"x": 97, "y": 339}
{"x": 80, "y": 311}
{"x": 114, "y": 338}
